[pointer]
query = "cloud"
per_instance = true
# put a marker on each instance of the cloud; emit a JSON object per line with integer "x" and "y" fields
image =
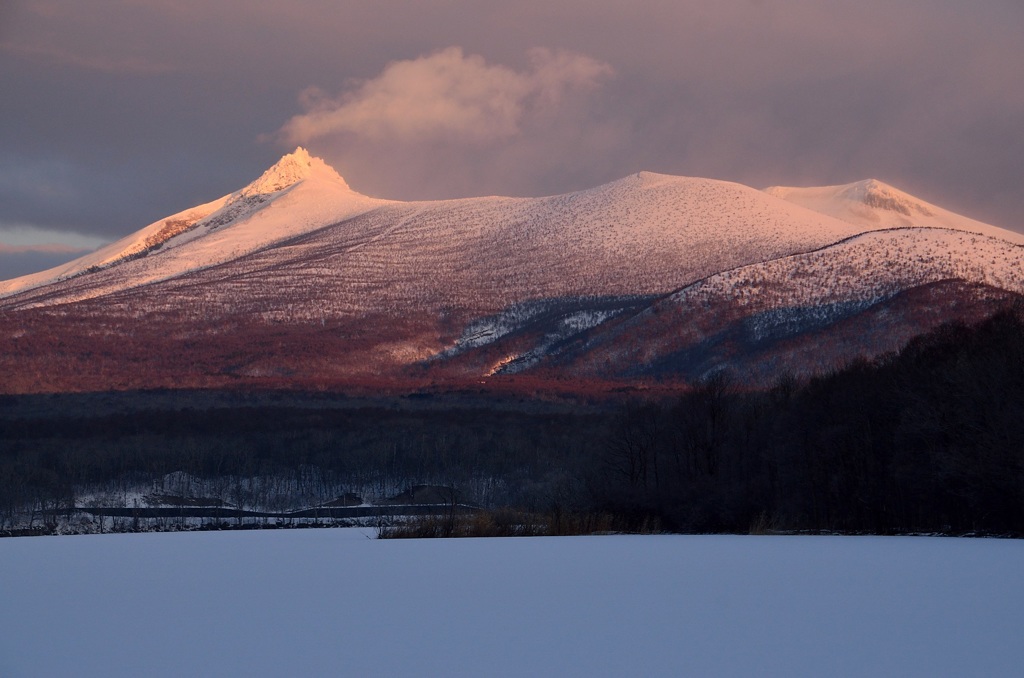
{"x": 446, "y": 95}
{"x": 19, "y": 237}
{"x": 25, "y": 248}
{"x": 51, "y": 248}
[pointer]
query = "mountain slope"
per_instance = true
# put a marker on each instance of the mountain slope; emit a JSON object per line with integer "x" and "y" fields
{"x": 729, "y": 318}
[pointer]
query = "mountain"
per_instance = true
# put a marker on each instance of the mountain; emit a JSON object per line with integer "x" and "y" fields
{"x": 296, "y": 279}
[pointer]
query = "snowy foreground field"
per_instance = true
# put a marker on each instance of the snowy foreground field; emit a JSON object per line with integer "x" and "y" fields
{"x": 336, "y": 603}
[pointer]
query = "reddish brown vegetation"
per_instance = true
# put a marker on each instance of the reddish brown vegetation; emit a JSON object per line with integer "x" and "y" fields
{"x": 64, "y": 350}
{"x": 94, "y": 346}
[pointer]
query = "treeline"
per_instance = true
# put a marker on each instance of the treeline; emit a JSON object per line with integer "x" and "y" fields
{"x": 927, "y": 440}
{"x": 268, "y": 457}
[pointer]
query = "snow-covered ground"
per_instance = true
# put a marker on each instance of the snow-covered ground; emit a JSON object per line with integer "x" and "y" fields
{"x": 863, "y": 270}
{"x": 335, "y": 602}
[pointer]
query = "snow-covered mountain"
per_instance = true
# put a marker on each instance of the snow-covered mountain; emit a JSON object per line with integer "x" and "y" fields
{"x": 298, "y": 277}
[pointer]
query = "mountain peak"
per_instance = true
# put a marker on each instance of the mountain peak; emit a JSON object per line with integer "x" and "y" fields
{"x": 880, "y": 195}
{"x": 292, "y": 168}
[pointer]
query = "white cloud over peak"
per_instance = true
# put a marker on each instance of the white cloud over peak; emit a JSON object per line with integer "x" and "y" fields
{"x": 446, "y": 95}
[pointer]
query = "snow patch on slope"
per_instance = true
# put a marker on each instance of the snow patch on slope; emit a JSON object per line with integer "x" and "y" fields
{"x": 552, "y": 320}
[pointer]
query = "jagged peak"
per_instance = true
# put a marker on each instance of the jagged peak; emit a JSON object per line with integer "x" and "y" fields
{"x": 289, "y": 170}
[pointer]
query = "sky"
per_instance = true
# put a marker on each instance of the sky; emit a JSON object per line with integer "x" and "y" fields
{"x": 115, "y": 113}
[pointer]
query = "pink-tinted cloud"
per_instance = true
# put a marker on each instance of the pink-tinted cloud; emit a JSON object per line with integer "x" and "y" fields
{"x": 446, "y": 94}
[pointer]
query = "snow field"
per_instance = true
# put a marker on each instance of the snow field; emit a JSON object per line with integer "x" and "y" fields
{"x": 334, "y": 602}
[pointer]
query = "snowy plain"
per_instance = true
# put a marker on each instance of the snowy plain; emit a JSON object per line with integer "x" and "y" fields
{"x": 337, "y": 602}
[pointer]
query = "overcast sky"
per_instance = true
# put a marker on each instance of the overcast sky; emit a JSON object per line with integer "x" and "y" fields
{"x": 116, "y": 113}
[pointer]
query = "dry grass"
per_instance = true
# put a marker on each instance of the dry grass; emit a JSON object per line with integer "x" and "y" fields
{"x": 509, "y": 523}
